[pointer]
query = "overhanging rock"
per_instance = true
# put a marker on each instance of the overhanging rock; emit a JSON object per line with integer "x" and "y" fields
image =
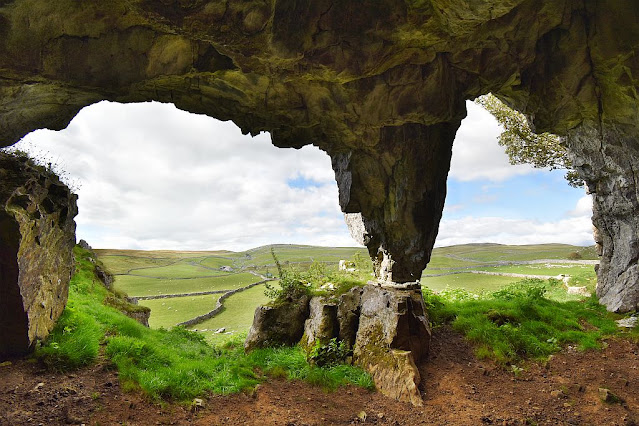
{"x": 379, "y": 85}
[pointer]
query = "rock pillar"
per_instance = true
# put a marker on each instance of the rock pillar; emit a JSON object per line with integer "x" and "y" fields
{"x": 37, "y": 235}
{"x": 393, "y": 196}
{"x": 607, "y": 158}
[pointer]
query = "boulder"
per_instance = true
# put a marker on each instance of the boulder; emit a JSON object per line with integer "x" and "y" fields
{"x": 278, "y": 324}
{"x": 37, "y": 235}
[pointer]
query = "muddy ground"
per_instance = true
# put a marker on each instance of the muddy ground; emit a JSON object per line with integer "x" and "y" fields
{"x": 457, "y": 389}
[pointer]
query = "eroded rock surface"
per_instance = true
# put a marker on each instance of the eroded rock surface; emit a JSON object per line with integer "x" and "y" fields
{"x": 387, "y": 329}
{"x": 278, "y": 324}
{"x": 379, "y": 85}
{"x": 37, "y": 235}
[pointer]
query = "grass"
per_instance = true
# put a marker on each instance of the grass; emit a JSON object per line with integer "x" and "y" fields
{"x": 237, "y": 315}
{"x": 119, "y": 264}
{"x": 169, "y": 312}
{"x": 177, "y": 270}
{"x": 471, "y": 282}
{"x": 216, "y": 262}
{"x": 519, "y": 322}
{"x": 174, "y": 364}
{"x": 143, "y": 286}
{"x": 544, "y": 269}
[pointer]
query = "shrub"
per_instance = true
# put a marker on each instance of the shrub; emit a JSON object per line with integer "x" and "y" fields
{"x": 329, "y": 355}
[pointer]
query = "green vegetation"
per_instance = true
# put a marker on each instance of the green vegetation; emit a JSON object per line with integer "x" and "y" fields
{"x": 143, "y": 286}
{"x": 237, "y": 315}
{"x": 176, "y": 270}
{"x": 471, "y": 282}
{"x": 519, "y": 321}
{"x": 119, "y": 264}
{"x": 216, "y": 262}
{"x": 169, "y": 312}
{"x": 177, "y": 363}
{"x": 524, "y": 146}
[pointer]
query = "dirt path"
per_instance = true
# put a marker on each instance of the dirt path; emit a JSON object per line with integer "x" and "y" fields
{"x": 458, "y": 390}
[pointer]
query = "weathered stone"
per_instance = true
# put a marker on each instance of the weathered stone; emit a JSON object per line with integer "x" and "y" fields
{"x": 393, "y": 335}
{"x": 278, "y": 324}
{"x": 607, "y": 158}
{"x": 379, "y": 85}
{"x": 348, "y": 311}
{"x": 37, "y": 235}
{"x": 321, "y": 325}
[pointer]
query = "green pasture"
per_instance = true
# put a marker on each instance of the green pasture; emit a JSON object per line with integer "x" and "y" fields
{"x": 293, "y": 253}
{"x": 143, "y": 286}
{"x": 237, "y": 315}
{"x": 119, "y": 264}
{"x": 169, "y": 312}
{"x": 216, "y": 262}
{"x": 475, "y": 283}
{"x": 497, "y": 252}
{"x": 177, "y": 270}
{"x": 543, "y": 269}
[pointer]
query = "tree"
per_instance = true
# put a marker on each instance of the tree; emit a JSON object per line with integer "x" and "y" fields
{"x": 524, "y": 146}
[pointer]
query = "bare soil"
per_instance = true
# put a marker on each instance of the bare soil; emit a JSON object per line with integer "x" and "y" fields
{"x": 457, "y": 389}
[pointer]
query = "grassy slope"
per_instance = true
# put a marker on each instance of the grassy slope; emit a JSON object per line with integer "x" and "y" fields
{"x": 175, "y": 364}
{"x": 143, "y": 286}
{"x": 177, "y": 270}
{"x": 237, "y": 315}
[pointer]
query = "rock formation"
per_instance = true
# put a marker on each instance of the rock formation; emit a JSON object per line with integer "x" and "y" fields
{"x": 387, "y": 329}
{"x": 37, "y": 235}
{"x": 379, "y": 85}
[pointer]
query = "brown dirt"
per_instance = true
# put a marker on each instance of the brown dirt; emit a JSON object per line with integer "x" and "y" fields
{"x": 458, "y": 390}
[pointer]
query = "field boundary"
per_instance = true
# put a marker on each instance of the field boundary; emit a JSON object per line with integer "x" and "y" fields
{"x": 219, "y": 305}
{"x": 134, "y": 299}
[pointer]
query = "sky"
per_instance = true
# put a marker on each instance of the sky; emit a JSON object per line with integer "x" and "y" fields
{"x": 150, "y": 176}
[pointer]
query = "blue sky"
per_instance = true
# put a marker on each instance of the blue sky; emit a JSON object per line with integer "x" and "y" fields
{"x": 150, "y": 176}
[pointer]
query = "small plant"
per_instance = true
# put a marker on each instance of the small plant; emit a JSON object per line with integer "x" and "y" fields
{"x": 331, "y": 354}
{"x": 292, "y": 285}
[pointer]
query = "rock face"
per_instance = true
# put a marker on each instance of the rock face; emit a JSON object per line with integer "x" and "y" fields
{"x": 379, "y": 85}
{"x": 387, "y": 328}
{"x": 37, "y": 235}
{"x": 281, "y": 324}
{"x": 607, "y": 157}
{"x": 393, "y": 335}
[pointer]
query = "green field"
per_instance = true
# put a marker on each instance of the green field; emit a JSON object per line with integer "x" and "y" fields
{"x": 169, "y": 312}
{"x": 177, "y": 270}
{"x": 119, "y": 264}
{"x": 543, "y": 269}
{"x": 142, "y": 286}
{"x": 473, "y": 282}
{"x": 189, "y": 272}
{"x": 216, "y": 262}
{"x": 238, "y": 312}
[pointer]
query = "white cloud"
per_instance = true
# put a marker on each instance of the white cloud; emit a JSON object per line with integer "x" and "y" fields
{"x": 156, "y": 177}
{"x": 476, "y": 153}
{"x": 575, "y": 228}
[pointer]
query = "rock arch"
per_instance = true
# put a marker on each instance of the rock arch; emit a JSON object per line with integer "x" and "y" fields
{"x": 379, "y": 85}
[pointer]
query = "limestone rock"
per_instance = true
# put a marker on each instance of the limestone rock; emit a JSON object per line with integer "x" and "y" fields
{"x": 278, "y": 324}
{"x": 37, "y": 235}
{"x": 321, "y": 325}
{"x": 393, "y": 335}
{"x": 615, "y": 207}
